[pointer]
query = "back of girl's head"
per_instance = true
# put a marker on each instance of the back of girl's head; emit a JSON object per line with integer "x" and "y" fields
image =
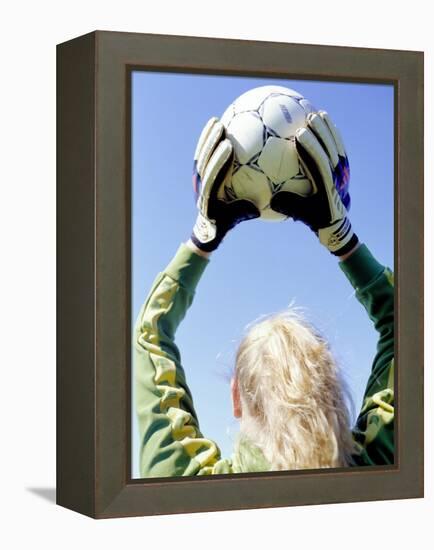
{"x": 294, "y": 402}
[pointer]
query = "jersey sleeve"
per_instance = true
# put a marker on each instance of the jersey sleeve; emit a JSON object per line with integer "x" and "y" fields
{"x": 374, "y": 428}
{"x": 171, "y": 441}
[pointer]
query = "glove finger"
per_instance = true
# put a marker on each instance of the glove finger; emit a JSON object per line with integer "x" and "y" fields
{"x": 317, "y": 164}
{"x": 212, "y": 134}
{"x": 203, "y": 136}
{"x": 335, "y": 133}
{"x": 324, "y": 136}
{"x": 316, "y": 156}
{"x": 215, "y": 172}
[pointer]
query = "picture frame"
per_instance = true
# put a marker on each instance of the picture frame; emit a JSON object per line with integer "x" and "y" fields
{"x": 94, "y": 268}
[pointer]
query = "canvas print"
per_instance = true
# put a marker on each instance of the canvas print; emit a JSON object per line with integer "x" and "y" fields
{"x": 262, "y": 259}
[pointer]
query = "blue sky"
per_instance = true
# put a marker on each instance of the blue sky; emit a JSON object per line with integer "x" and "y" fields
{"x": 261, "y": 267}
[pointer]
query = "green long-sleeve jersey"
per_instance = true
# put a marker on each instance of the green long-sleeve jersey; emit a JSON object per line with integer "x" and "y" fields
{"x": 171, "y": 441}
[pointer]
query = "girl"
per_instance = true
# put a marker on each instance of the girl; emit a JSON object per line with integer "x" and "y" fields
{"x": 286, "y": 389}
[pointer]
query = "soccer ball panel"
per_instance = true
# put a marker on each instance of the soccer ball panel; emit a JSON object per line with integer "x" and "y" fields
{"x": 271, "y": 215}
{"x": 245, "y": 131}
{"x": 227, "y": 115}
{"x": 253, "y": 185}
{"x": 299, "y": 185}
{"x": 283, "y": 115}
{"x": 279, "y": 161}
{"x": 251, "y": 100}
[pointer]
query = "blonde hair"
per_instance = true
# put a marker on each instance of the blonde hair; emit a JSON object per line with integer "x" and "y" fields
{"x": 295, "y": 404}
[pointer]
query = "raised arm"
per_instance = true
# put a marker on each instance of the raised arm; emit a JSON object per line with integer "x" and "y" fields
{"x": 172, "y": 443}
{"x": 374, "y": 429}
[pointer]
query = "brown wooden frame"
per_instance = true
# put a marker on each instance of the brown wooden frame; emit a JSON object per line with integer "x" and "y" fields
{"x": 93, "y": 372}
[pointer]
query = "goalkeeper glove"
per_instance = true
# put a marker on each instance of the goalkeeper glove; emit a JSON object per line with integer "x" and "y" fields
{"x": 212, "y": 167}
{"x": 322, "y": 155}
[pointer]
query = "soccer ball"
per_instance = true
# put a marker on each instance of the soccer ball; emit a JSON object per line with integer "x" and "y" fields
{"x": 261, "y": 125}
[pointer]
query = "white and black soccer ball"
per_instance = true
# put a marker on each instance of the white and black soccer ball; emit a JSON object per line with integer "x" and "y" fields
{"x": 261, "y": 124}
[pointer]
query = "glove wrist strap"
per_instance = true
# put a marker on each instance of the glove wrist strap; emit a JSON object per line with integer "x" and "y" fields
{"x": 339, "y": 238}
{"x": 204, "y": 234}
